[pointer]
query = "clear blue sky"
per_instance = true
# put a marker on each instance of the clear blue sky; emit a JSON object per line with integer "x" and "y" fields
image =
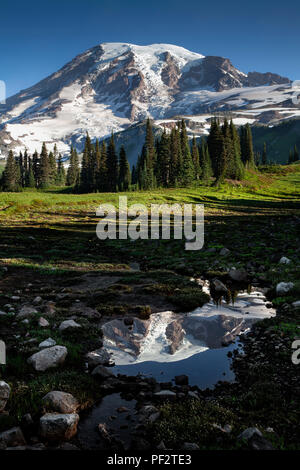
{"x": 38, "y": 37}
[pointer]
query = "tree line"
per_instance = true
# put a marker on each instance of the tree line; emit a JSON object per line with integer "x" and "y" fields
{"x": 168, "y": 161}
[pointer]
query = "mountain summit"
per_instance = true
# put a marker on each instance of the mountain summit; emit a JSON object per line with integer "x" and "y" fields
{"x": 114, "y": 85}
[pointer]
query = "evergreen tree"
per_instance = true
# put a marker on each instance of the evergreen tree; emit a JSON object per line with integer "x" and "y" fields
{"x": 86, "y": 166}
{"x": 124, "y": 173}
{"x": 112, "y": 166}
{"x": 36, "y": 168}
{"x": 195, "y": 157}
{"x": 73, "y": 168}
{"x": 61, "y": 174}
{"x": 30, "y": 182}
{"x": 163, "y": 161}
{"x": 103, "y": 182}
{"x": 205, "y": 162}
{"x": 44, "y": 168}
{"x": 264, "y": 155}
{"x": 10, "y": 177}
{"x": 53, "y": 166}
{"x": 238, "y": 170}
{"x": 215, "y": 142}
{"x": 247, "y": 147}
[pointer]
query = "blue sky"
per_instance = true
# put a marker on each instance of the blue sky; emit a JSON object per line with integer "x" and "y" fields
{"x": 38, "y": 37}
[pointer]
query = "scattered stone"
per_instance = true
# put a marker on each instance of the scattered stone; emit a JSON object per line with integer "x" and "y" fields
{"x": 47, "y": 343}
{"x": 296, "y": 304}
{"x": 48, "y": 358}
{"x": 102, "y": 372}
{"x": 2, "y": 313}
{"x": 68, "y": 446}
{"x": 104, "y": 433}
{"x": 284, "y": 260}
{"x": 68, "y": 324}
{"x": 284, "y": 287}
{"x": 99, "y": 357}
{"x": 26, "y": 311}
{"x": 13, "y": 437}
{"x": 58, "y": 426}
{"x": 37, "y": 300}
{"x": 224, "y": 251}
{"x": 4, "y": 394}
{"x": 190, "y": 446}
{"x": 61, "y": 402}
{"x": 49, "y": 309}
{"x": 165, "y": 394}
{"x": 43, "y": 322}
{"x": 248, "y": 433}
{"x": 181, "y": 380}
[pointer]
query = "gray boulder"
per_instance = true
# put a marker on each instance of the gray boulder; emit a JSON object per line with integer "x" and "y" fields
{"x": 47, "y": 343}
{"x": 61, "y": 402}
{"x": 55, "y": 426}
{"x": 102, "y": 372}
{"x": 48, "y": 358}
{"x": 99, "y": 357}
{"x": 26, "y": 311}
{"x": 12, "y": 437}
{"x": 283, "y": 288}
{"x": 67, "y": 324}
{"x": 4, "y": 394}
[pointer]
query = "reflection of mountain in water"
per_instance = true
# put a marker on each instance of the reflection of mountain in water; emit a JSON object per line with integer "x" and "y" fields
{"x": 168, "y": 337}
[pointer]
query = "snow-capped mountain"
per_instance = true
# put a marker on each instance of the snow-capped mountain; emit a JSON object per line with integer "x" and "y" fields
{"x": 114, "y": 85}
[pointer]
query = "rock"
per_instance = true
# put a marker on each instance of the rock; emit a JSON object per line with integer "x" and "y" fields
{"x": 4, "y": 394}
{"x": 26, "y": 311}
{"x": 148, "y": 410}
{"x": 284, "y": 260}
{"x": 128, "y": 321}
{"x": 68, "y": 446}
{"x": 190, "y": 446}
{"x": 154, "y": 417}
{"x": 13, "y": 437}
{"x": 284, "y": 287}
{"x": 48, "y": 358}
{"x": 68, "y": 324}
{"x": 164, "y": 394}
{"x": 161, "y": 446}
{"x": 43, "y": 322}
{"x": 37, "y": 300}
{"x": 238, "y": 275}
{"x": 193, "y": 395}
{"x": 83, "y": 310}
{"x": 49, "y": 309}
{"x": 99, "y": 357}
{"x": 260, "y": 443}
{"x": 2, "y": 313}
{"x": 181, "y": 380}
{"x": 102, "y": 372}
{"x": 296, "y": 304}
{"x": 61, "y": 402}
{"x": 248, "y": 433}
{"x": 224, "y": 252}
{"x": 104, "y": 433}
{"x": 58, "y": 426}
{"x": 47, "y": 343}
{"x": 218, "y": 287}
